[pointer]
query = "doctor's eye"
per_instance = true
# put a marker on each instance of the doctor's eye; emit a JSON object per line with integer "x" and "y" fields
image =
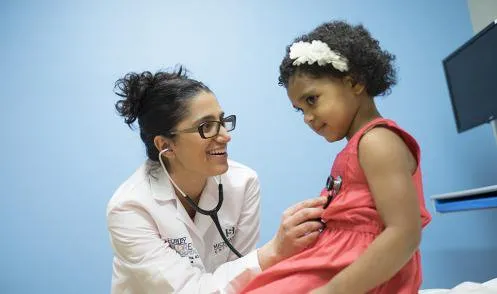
{"x": 311, "y": 100}
{"x": 209, "y": 127}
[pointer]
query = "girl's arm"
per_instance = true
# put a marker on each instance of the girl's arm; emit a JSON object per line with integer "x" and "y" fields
{"x": 388, "y": 165}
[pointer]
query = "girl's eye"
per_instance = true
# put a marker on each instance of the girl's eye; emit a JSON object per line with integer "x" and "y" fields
{"x": 299, "y": 110}
{"x": 311, "y": 100}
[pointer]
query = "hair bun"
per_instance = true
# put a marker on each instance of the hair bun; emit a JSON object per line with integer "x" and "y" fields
{"x": 133, "y": 87}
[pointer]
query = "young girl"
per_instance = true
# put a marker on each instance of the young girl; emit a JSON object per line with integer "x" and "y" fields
{"x": 377, "y": 209}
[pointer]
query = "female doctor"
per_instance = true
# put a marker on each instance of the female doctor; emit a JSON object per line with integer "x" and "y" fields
{"x": 187, "y": 221}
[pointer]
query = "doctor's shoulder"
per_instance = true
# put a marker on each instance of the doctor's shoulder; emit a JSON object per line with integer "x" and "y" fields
{"x": 132, "y": 189}
{"x": 240, "y": 172}
{"x": 242, "y": 177}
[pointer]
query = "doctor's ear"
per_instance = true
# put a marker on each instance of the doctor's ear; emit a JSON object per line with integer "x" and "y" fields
{"x": 163, "y": 145}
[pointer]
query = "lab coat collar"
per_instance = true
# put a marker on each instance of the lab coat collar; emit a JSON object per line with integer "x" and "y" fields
{"x": 161, "y": 187}
{"x": 163, "y": 191}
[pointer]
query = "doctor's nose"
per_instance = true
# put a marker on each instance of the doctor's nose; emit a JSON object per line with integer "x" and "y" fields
{"x": 223, "y": 136}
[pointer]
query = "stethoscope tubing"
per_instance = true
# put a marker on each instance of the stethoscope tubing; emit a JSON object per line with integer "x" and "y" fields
{"x": 213, "y": 214}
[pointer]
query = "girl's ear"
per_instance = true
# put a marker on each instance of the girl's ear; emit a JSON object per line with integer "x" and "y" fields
{"x": 356, "y": 87}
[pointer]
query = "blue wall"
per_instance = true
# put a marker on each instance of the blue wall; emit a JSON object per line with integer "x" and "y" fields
{"x": 64, "y": 150}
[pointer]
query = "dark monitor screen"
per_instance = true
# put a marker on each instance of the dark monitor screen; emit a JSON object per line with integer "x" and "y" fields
{"x": 471, "y": 73}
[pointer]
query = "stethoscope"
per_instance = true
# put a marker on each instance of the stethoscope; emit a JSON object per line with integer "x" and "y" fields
{"x": 212, "y": 212}
{"x": 333, "y": 185}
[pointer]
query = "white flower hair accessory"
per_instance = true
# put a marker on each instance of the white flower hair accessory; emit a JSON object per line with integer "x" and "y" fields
{"x": 317, "y": 51}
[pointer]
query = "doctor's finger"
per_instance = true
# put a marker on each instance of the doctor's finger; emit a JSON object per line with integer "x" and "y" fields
{"x": 306, "y": 228}
{"x": 307, "y": 240}
{"x": 314, "y": 202}
{"x": 303, "y": 215}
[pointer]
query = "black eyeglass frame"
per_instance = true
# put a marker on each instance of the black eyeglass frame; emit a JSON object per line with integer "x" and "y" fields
{"x": 199, "y": 128}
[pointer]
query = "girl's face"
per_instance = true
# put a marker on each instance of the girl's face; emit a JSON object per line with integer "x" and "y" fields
{"x": 192, "y": 153}
{"x": 329, "y": 105}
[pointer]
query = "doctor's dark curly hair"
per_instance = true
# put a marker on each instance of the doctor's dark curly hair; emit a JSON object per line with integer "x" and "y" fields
{"x": 368, "y": 63}
{"x": 157, "y": 101}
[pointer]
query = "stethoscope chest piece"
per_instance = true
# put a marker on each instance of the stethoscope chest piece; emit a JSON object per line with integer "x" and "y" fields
{"x": 333, "y": 185}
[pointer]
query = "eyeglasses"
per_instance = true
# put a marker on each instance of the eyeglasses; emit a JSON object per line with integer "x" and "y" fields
{"x": 209, "y": 129}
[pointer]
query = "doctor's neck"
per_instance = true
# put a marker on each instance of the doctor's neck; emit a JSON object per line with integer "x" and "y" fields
{"x": 190, "y": 183}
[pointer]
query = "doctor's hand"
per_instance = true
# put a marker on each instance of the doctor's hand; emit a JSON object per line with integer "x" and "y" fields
{"x": 299, "y": 228}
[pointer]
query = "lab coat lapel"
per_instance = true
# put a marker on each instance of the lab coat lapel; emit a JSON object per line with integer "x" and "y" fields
{"x": 208, "y": 201}
{"x": 163, "y": 190}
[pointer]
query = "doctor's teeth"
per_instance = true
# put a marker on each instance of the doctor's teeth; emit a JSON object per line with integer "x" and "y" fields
{"x": 217, "y": 153}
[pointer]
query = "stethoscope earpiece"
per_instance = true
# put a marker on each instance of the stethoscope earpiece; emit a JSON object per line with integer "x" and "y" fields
{"x": 163, "y": 151}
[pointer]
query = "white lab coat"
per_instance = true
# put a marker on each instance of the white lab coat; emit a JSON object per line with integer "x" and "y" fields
{"x": 158, "y": 248}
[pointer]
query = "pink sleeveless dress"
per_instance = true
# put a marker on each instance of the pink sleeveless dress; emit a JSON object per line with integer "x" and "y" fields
{"x": 352, "y": 223}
